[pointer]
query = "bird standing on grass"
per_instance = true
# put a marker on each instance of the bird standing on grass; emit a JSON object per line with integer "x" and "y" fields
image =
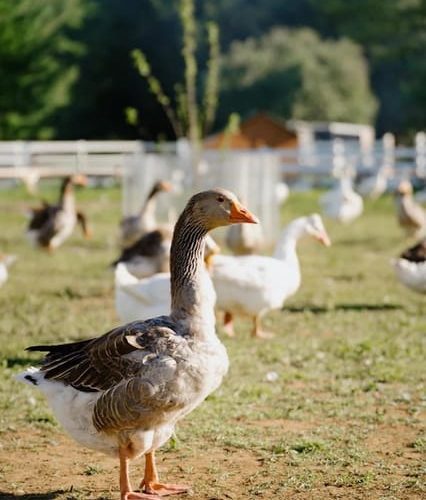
{"x": 133, "y": 227}
{"x": 122, "y": 393}
{"x": 410, "y": 268}
{"x": 254, "y": 284}
{"x": 411, "y": 216}
{"x": 50, "y": 225}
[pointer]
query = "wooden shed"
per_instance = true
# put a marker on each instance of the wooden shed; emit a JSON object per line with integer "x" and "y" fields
{"x": 259, "y": 131}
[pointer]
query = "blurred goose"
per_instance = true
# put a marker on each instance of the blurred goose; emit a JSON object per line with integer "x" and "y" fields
{"x": 243, "y": 239}
{"x": 410, "y": 268}
{"x": 254, "y": 284}
{"x": 342, "y": 203}
{"x": 282, "y": 192}
{"x": 135, "y": 226}
{"x": 373, "y": 186}
{"x": 5, "y": 262}
{"x": 148, "y": 297}
{"x": 51, "y": 225}
{"x": 123, "y": 392}
{"x": 411, "y": 216}
{"x": 149, "y": 255}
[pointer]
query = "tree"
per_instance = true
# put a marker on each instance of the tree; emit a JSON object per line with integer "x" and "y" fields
{"x": 186, "y": 114}
{"x": 37, "y": 60}
{"x": 392, "y": 35}
{"x": 295, "y": 74}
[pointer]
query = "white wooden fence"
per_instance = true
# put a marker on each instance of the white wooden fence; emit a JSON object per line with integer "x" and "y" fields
{"x": 19, "y": 159}
{"x": 61, "y": 158}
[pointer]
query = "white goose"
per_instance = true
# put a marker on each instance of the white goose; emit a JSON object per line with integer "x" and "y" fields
{"x": 410, "y": 268}
{"x": 342, "y": 203}
{"x": 123, "y": 392}
{"x": 147, "y": 297}
{"x": 374, "y": 185}
{"x": 254, "y": 284}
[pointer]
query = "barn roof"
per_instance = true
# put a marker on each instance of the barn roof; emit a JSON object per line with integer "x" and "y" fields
{"x": 259, "y": 131}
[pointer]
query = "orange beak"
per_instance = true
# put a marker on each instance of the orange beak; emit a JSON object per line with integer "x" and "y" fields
{"x": 80, "y": 180}
{"x": 166, "y": 186}
{"x": 241, "y": 214}
{"x": 324, "y": 239}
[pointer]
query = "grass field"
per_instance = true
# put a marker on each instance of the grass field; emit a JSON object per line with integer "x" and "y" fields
{"x": 344, "y": 419}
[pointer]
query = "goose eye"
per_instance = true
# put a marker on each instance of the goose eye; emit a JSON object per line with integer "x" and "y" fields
{"x": 220, "y": 199}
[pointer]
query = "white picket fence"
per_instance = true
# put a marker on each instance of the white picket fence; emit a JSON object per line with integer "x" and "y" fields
{"x": 108, "y": 158}
{"x": 61, "y": 158}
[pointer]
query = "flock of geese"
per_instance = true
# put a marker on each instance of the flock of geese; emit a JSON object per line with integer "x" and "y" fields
{"x": 123, "y": 392}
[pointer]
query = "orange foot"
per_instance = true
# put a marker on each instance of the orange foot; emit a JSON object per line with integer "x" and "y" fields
{"x": 132, "y": 495}
{"x": 163, "y": 490}
{"x": 262, "y": 334}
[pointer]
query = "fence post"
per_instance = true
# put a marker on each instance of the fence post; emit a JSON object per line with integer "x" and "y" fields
{"x": 22, "y": 154}
{"x": 421, "y": 154}
{"x": 81, "y": 158}
{"x": 339, "y": 159}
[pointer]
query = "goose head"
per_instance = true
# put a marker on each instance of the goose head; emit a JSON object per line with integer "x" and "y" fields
{"x": 161, "y": 186}
{"x": 314, "y": 227}
{"x": 404, "y": 189}
{"x": 79, "y": 180}
{"x": 218, "y": 207}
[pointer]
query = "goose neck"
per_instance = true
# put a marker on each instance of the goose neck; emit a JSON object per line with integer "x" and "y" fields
{"x": 147, "y": 211}
{"x": 287, "y": 243}
{"x": 187, "y": 274}
{"x": 66, "y": 199}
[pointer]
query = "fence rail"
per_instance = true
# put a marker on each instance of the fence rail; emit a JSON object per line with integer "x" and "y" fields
{"x": 20, "y": 159}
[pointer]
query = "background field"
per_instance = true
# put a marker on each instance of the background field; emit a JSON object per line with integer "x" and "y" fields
{"x": 344, "y": 419}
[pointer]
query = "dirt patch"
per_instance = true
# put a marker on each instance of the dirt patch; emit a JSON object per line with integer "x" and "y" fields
{"x": 295, "y": 426}
{"x": 47, "y": 465}
{"x": 391, "y": 438}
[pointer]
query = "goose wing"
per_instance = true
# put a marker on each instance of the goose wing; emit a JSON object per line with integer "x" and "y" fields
{"x": 416, "y": 253}
{"x": 149, "y": 245}
{"x": 41, "y": 216}
{"x": 101, "y": 363}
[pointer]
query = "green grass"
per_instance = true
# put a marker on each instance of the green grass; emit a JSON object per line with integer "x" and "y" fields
{"x": 347, "y": 410}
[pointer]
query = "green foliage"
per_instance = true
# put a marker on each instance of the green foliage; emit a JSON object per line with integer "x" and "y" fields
{"x": 37, "y": 60}
{"x": 392, "y": 34}
{"x": 184, "y": 114}
{"x": 295, "y": 74}
{"x": 144, "y": 69}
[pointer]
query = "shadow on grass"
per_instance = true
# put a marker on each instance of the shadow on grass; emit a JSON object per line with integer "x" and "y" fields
{"x": 368, "y": 242}
{"x": 12, "y": 361}
{"x": 31, "y": 496}
{"x": 342, "y": 307}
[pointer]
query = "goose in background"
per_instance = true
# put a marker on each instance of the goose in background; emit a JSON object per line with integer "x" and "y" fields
{"x": 374, "y": 185}
{"x": 123, "y": 392}
{"x": 148, "y": 297}
{"x": 411, "y": 216}
{"x": 50, "y": 225}
{"x": 149, "y": 255}
{"x": 410, "y": 268}
{"x": 244, "y": 239}
{"x": 282, "y": 192}
{"x": 135, "y": 226}
{"x": 342, "y": 203}
{"x": 5, "y": 262}
{"x": 253, "y": 284}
